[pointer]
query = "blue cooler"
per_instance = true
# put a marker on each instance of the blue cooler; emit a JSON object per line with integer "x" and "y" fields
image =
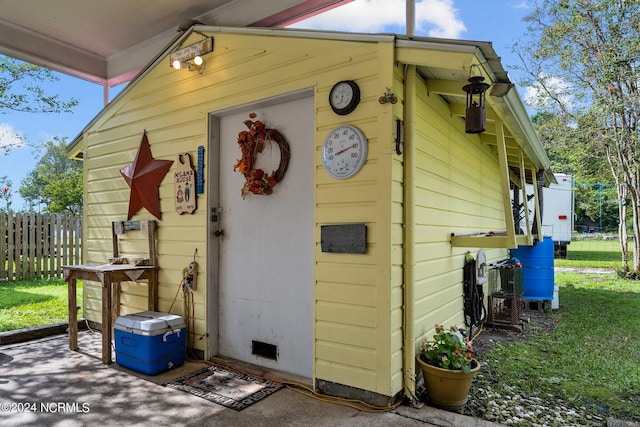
{"x": 150, "y": 342}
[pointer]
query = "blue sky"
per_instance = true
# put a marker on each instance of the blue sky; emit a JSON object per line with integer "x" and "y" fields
{"x": 499, "y": 22}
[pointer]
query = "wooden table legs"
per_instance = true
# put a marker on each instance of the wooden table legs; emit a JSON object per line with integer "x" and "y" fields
{"x": 73, "y": 314}
{"x": 107, "y": 323}
{"x": 109, "y": 277}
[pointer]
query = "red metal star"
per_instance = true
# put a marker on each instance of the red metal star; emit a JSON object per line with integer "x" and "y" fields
{"x": 144, "y": 176}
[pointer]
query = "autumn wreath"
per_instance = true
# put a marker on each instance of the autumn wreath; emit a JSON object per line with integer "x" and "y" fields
{"x": 252, "y": 142}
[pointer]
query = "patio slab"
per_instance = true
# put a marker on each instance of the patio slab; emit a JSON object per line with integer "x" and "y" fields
{"x": 43, "y": 383}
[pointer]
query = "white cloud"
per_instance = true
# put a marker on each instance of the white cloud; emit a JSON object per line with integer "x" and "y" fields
{"x": 9, "y": 137}
{"x": 434, "y": 18}
{"x": 540, "y": 96}
{"x": 522, "y": 5}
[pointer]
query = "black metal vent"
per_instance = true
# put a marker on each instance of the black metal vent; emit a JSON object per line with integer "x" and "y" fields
{"x": 262, "y": 349}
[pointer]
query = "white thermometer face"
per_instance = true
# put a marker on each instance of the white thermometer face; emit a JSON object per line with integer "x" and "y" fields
{"x": 344, "y": 151}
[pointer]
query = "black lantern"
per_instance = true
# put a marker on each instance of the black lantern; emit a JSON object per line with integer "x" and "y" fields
{"x": 476, "y": 114}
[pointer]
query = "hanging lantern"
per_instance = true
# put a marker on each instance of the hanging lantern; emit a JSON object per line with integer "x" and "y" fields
{"x": 476, "y": 115}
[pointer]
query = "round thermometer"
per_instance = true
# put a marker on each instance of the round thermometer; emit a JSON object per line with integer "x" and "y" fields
{"x": 344, "y": 151}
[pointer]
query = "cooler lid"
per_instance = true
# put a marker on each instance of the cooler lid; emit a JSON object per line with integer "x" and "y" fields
{"x": 150, "y": 321}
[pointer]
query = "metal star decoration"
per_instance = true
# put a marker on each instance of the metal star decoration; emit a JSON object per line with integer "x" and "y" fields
{"x": 144, "y": 176}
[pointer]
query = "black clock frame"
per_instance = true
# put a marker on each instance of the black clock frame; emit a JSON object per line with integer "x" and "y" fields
{"x": 354, "y": 101}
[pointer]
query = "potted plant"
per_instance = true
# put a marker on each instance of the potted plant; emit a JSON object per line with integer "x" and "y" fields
{"x": 448, "y": 366}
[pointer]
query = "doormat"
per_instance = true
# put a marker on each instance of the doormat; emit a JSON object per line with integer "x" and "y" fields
{"x": 231, "y": 389}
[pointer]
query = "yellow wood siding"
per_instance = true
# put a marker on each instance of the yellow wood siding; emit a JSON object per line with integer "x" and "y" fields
{"x": 358, "y": 297}
{"x": 354, "y": 296}
{"x": 457, "y": 190}
{"x": 397, "y": 240}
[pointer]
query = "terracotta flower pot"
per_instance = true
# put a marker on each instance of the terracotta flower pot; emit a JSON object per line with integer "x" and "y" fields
{"x": 447, "y": 389}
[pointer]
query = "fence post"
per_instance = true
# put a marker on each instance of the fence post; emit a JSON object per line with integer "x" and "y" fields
{"x": 12, "y": 246}
{"x": 31, "y": 229}
{"x": 39, "y": 259}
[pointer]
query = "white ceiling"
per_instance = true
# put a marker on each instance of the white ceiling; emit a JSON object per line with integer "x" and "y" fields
{"x": 108, "y": 42}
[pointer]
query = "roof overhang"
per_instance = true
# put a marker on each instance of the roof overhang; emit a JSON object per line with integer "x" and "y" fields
{"x": 445, "y": 65}
{"x": 109, "y": 42}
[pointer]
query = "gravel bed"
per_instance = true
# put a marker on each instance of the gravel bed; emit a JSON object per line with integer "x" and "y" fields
{"x": 505, "y": 405}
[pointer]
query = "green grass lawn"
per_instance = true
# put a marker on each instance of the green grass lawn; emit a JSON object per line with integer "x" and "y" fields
{"x": 25, "y": 304}
{"x": 593, "y": 254}
{"x": 592, "y": 356}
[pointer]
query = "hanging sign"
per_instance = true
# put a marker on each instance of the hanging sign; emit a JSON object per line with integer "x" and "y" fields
{"x": 184, "y": 185}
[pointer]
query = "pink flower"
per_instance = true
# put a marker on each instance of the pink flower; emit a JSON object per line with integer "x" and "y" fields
{"x": 470, "y": 345}
{"x": 445, "y": 358}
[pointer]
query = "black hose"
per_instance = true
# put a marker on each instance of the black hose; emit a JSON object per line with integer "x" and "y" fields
{"x": 475, "y": 313}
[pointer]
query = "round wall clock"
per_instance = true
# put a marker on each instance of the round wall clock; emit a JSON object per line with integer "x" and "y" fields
{"x": 344, "y": 97}
{"x": 344, "y": 151}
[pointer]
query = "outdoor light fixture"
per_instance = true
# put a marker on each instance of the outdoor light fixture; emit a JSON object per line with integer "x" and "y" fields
{"x": 190, "y": 57}
{"x": 476, "y": 115}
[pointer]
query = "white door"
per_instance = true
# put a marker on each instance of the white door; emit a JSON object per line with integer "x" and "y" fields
{"x": 265, "y": 279}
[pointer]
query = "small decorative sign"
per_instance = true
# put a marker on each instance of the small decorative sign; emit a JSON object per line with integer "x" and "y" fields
{"x": 187, "y": 53}
{"x": 344, "y": 238}
{"x": 184, "y": 185}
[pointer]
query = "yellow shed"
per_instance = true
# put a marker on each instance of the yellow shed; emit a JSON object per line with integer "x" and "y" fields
{"x": 357, "y": 253}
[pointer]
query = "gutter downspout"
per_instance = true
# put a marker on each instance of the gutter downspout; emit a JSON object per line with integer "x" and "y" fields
{"x": 409, "y": 232}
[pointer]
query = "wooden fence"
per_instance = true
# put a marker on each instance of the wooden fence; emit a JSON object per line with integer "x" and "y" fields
{"x": 37, "y": 246}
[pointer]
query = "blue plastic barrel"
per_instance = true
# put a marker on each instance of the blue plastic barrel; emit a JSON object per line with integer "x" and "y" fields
{"x": 537, "y": 262}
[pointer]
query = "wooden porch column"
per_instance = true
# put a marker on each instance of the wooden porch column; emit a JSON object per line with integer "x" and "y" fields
{"x": 536, "y": 197}
{"x": 504, "y": 178}
{"x": 523, "y": 189}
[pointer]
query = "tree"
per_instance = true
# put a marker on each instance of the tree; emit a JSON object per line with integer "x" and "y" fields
{"x": 572, "y": 151}
{"x": 6, "y": 187}
{"x": 21, "y": 90}
{"x": 55, "y": 182}
{"x": 582, "y": 58}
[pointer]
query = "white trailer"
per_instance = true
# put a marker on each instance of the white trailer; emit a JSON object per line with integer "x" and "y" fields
{"x": 558, "y": 213}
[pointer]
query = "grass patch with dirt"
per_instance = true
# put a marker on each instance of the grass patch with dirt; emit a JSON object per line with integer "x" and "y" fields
{"x": 30, "y": 303}
{"x": 585, "y": 354}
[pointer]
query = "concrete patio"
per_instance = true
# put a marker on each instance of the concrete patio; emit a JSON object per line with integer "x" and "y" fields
{"x": 43, "y": 383}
